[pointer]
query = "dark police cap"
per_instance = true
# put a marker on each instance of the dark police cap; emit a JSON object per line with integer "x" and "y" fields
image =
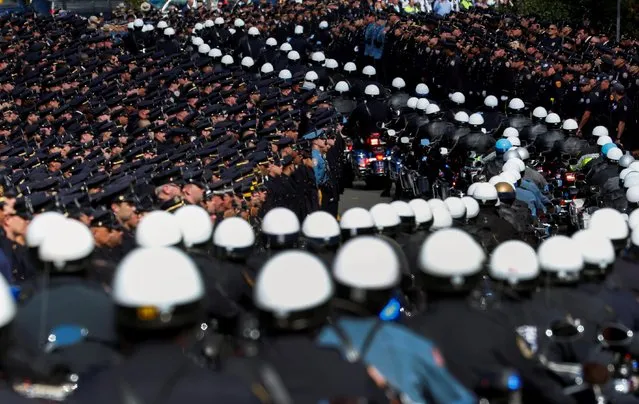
{"x": 171, "y": 176}
{"x": 284, "y": 141}
{"x": 104, "y": 218}
{"x": 26, "y": 206}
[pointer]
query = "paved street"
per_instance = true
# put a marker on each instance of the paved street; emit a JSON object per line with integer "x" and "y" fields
{"x": 360, "y": 196}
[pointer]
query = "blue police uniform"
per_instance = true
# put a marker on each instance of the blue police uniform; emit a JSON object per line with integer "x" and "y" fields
{"x": 532, "y": 187}
{"x": 319, "y": 167}
{"x": 528, "y": 197}
{"x": 410, "y": 363}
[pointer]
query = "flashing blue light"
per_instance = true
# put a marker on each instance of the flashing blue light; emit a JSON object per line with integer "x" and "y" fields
{"x": 514, "y": 382}
{"x": 424, "y": 142}
{"x": 391, "y": 311}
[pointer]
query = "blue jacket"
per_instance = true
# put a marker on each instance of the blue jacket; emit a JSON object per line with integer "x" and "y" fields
{"x": 409, "y": 363}
{"x": 532, "y": 187}
{"x": 529, "y": 198}
{"x": 319, "y": 167}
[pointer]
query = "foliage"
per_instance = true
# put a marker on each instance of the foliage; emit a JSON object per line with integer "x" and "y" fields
{"x": 597, "y": 14}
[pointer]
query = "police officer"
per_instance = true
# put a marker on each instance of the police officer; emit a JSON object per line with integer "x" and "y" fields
{"x": 489, "y": 227}
{"x": 65, "y": 297}
{"x": 322, "y": 235}
{"x": 599, "y": 256}
{"x": 280, "y": 231}
{"x": 515, "y": 211}
{"x": 152, "y": 318}
{"x": 364, "y": 284}
{"x": 530, "y": 133}
{"x": 471, "y": 339}
{"x": 561, "y": 262}
{"x": 514, "y": 269}
{"x": 233, "y": 244}
{"x": 622, "y": 122}
{"x": 292, "y": 306}
{"x": 423, "y": 222}
{"x": 223, "y": 289}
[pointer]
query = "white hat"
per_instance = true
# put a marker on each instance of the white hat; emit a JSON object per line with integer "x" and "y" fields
{"x": 369, "y": 71}
{"x": 321, "y": 226}
{"x": 41, "y": 225}
{"x": 422, "y": 89}
{"x": 299, "y": 30}
{"x": 158, "y": 229}
{"x": 204, "y": 49}
{"x": 472, "y": 207}
{"x": 253, "y": 31}
{"x": 162, "y": 25}
{"x": 323, "y": 24}
{"x": 215, "y": 53}
{"x": 169, "y": 31}
{"x": 476, "y": 119}
{"x": 138, "y": 23}
{"x": 384, "y": 216}
{"x": 239, "y": 23}
{"x": 456, "y": 207}
{"x": 285, "y": 74}
{"x": 398, "y": 83}
{"x": 422, "y": 211}
{"x": 227, "y": 60}
{"x": 595, "y": 248}
{"x": 72, "y": 241}
{"x": 331, "y": 64}
{"x": 286, "y": 47}
{"x": 293, "y": 55}
{"x": 219, "y": 21}
{"x": 266, "y": 68}
{"x": 371, "y": 90}
{"x": 273, "y": 292}
{"x": 516, "y": 104}
{"x": 195, "y": 224}
{"x": 280, "y": 222}
{"x": 514, "y": 261}
{"x": 562, "y": 256}
{"x": 247, "y": 61}
{"x": 610, "y": 223}
{"x": 356, "y": 219}
{"x": 439, "y": 255}
{"x": 233, "y": 233}
{"x": 442, "y": 218}
{"x": 158, "y": 277}
{"x": 318, "y": 57}
{"x": 271, "y": 42}
{"x": 355, "y": 267}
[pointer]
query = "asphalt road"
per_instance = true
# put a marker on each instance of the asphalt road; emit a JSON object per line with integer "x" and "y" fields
{"x": 359, "y": 196}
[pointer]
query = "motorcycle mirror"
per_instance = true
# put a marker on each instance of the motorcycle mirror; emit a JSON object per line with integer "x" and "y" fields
{"x": 564, "y": 330}
{"x": 65, "y": 335}
{"x": 404, "y": 140}
{"x": 615, "y": 335}
{"x": 596, "y": 373}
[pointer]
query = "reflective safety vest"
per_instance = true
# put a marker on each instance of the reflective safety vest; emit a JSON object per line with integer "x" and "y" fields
{"x": 466, "y": 4}
{"x": 410, "y": 9}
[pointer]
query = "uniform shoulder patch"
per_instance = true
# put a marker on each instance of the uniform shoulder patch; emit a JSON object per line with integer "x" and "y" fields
{"x": 558, "y": 84}
{"x": 524, "y": 348}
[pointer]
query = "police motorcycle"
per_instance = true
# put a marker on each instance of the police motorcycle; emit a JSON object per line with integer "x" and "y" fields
{"x": 585, "y": 381}
{"x": 371, "y": 158}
